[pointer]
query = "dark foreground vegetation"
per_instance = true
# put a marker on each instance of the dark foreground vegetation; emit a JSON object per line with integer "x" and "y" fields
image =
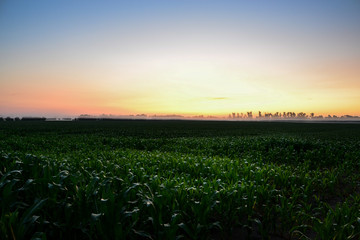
{"x": 179, "y": 180}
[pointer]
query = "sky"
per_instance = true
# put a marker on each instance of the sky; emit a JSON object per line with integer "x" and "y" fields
{"x": 188, "y": 57}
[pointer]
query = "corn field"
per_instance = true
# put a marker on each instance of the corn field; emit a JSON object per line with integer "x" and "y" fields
{"x": 179, "y": 180}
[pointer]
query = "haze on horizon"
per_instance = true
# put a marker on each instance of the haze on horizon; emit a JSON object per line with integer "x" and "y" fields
{"x": 183, "y": 57}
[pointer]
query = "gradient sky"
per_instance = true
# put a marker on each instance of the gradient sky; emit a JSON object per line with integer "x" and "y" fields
{"x": 65, "y": 58}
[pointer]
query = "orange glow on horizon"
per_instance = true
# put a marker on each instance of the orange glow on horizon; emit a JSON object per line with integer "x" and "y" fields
{"x": 186, "y": 90}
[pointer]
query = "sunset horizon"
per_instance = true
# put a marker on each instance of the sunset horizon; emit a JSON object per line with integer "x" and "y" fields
{"x": 64, "y": 58}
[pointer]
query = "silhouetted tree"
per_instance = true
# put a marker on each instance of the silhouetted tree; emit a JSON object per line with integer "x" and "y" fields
{"x": 301, "y": 115}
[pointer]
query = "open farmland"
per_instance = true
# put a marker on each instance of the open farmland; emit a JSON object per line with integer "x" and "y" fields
{"x": 179, "y": 180}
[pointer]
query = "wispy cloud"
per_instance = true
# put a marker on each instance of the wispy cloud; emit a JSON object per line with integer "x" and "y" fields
{"x": 218, "y": 98}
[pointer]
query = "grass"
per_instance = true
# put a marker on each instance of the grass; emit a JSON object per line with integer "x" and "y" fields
{"x": 179, "y": 180}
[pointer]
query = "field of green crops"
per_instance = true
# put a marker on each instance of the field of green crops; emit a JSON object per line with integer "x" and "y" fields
{"x": 179, "y": 180}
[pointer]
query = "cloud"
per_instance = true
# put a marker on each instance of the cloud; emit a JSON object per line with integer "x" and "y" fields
{"x": 218, "y": 98}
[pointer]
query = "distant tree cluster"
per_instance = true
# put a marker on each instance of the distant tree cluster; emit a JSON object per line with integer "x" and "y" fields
{"x": 286, "y": 115}
{"x": 241, "y": 115}
{"x": 11, "y": 119}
